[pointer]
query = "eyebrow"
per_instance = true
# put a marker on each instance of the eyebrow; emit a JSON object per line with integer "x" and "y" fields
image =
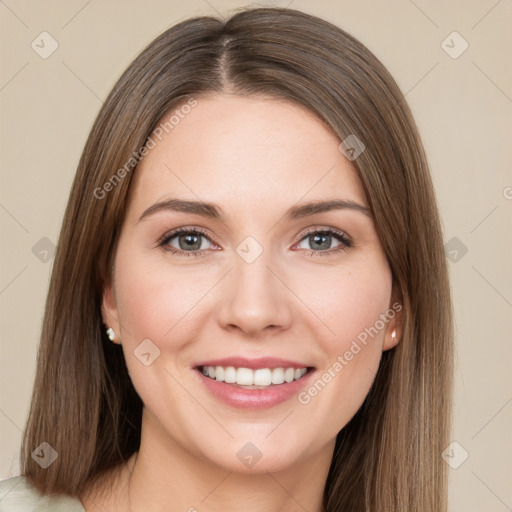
{"x": 213, "y": 211}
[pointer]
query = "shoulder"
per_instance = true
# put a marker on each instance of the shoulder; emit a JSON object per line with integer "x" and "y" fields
{"x": 17, "y": 495}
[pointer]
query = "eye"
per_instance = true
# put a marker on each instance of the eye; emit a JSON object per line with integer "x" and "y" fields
{"x": 185, "y": 242}
{"x": 320, "y": 241}
{"x": 188, "y": 241}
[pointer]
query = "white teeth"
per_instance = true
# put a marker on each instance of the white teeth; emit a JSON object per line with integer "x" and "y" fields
{"x": 262, "y": 377}
{"x": 247, "y": 377}
{"x": 219, "y": 373}
{"x": 229, "y": 375}
{"x": 278, "y": 375}
{"x": 291, "y": 374}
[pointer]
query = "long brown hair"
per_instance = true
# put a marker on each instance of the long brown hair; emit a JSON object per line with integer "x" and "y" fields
{"x": 388, "y": 458}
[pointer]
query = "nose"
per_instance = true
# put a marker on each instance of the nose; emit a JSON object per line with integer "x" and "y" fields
{"x": 255, "y": 299}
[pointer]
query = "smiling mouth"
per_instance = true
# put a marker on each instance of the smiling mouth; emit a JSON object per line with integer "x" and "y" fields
{"x": 247, "y": 378}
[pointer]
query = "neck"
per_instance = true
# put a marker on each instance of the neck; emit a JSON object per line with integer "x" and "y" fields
{"x": 169, "y": 477}
{"x": 163, "y": 476}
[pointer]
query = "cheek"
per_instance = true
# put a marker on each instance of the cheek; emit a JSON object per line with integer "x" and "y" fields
{"x": 158, "y": 303}
{"x": 349, "y": 302}
{"x": 155, "y": 300}
{"x": 351, "y": 306}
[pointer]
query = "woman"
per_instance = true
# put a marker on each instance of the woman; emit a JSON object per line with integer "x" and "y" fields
{"x": 249, "y": 304}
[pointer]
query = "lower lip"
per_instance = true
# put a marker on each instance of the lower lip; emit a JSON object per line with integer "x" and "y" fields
{"x": 254, "y": 398}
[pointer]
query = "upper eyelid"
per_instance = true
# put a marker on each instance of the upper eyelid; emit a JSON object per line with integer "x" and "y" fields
{"x": 320, "y": 229}
{"x": 188, "y": 229}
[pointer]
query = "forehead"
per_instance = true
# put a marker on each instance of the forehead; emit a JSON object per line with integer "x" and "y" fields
{"x": 246, "y": 154}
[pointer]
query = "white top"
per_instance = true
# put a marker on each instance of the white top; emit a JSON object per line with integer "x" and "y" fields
{"x": 17, "y": 495}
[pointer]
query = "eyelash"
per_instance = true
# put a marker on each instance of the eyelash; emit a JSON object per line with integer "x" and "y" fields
{"x": 346, "y": 242}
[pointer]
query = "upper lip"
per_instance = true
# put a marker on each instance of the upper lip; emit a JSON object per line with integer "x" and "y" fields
{"x": 254, "y": 363}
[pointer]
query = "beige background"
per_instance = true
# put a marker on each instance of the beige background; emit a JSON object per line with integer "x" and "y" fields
{"x": 463, "y": 107}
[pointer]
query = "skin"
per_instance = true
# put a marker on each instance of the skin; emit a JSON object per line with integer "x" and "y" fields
{"x": 255, "y": 158}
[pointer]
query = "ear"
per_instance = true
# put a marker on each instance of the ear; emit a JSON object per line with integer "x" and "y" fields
{"x": 394, "y": 328}
{"x": 109, "y": 311}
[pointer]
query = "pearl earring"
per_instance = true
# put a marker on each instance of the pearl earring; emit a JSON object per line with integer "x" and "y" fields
{"x": 111, "y": 334}
{"x": 393, "y": 335}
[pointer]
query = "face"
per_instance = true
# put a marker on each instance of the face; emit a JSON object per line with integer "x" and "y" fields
{"x": 252, "y": 281}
